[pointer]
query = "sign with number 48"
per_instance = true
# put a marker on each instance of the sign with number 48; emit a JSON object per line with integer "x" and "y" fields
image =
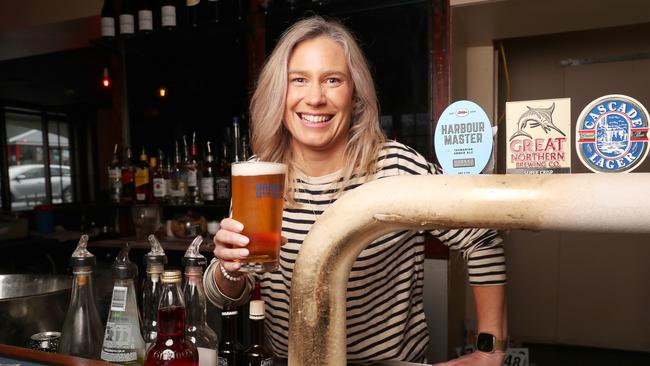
{"x": 516, "y": 357}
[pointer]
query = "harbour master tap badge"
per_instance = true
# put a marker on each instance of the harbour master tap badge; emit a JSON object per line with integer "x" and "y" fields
{"x": 612, "y": 134}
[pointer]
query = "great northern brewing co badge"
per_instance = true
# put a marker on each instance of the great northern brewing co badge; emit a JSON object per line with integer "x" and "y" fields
{"x": 612, "y": 134}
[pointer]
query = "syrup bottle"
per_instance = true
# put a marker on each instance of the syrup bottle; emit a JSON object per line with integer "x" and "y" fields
{"x": 123, "y": 341}
{"x": 196, "y": 326}
{"x": 154, "y": 262}
{"x": 171, "y": 348}
{"x": 82, "y": 329}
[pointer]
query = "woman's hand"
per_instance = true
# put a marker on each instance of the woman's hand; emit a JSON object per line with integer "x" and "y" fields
{"x": 230, "y": 245}
{"x": 477, "y": 358}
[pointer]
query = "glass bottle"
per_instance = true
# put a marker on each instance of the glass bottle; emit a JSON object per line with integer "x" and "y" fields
{"x": 257, "y": 354}
{"x": 123, "y": 341}
{"x": 142, "y": 184}
{"x": 196, "y": 326}
{"x": 230, "y": 349}
{"x": 82, "y": 329}
{"x": 192, "y": 173}
{"x": 108, "y": 20}
{"x": 207, "y": 176}
{"x": 145, "y": 17}
{"x": 168, "y": 14}
{"x": 115, "y": 177}
{"x": 127, "y": 177}
{"x": 223, "y": 176}
{"x": 158, "y": 181}
{"x": 236, "y": 141}
{"x": 127, "y": 18}
{"x": 154, "y": 262}
{"x": 171, "y": 347}
{"x": 178, "y": 182}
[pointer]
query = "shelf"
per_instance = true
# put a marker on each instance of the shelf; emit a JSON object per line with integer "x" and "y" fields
{"x": 168, "y": 244}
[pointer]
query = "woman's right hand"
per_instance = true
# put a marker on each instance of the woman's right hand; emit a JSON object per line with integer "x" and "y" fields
{"x": 230, "y": 245}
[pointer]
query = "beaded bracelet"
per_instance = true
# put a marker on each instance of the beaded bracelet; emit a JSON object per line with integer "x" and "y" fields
{"x": 227, "y": 275}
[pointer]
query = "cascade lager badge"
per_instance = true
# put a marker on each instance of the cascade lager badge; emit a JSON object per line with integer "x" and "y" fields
{"x": 612, "y": 134}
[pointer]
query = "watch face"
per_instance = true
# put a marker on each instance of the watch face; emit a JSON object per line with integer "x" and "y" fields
{"x": 485, "y": 342}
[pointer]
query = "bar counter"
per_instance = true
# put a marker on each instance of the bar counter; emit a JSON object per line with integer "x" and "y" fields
{"x": 13, "y": 355}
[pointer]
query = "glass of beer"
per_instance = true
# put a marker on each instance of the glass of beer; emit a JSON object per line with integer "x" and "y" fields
{"x": 257, "y": 199}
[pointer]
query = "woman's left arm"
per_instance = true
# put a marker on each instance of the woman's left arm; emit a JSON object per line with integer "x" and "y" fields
{"x": 490, "y": 313}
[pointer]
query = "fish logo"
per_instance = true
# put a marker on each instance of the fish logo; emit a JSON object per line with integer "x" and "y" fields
{"x": 536, "y": 117}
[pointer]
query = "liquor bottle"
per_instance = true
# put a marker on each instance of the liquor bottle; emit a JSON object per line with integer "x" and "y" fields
{"x": 245, "y": 150}
{"x": 257, "y": 354}
{"x": 181, "y": 14}
{"x": 178, "y": 180}
{"x": 171, "y": 347}
{"x": 236, "y": 141}
{"x": 123, "y": 341}
{"x": 168, "y": 15}
{"x": 208, "y": 176}
{"x": 108, "y": 20}
{"x": 223, "y": 175}
{"x": 168, "y": 179}
{"x": 128, "y": 184}
{"x": 213, "y": 12}
{"x": 82, "y": 331}
{"x": 145, "y": 16}
{"x": 158, "y": 180}
{"x": 197, "y": 329}
{"x": 193, "y": 174}
{"x": 193, "y": 14}
{"x": 154, "y": 262}
{"x": 230, "y": 350}
{"x": 142, "y": 184}
{"x": 115, "y": 178}
{"x": 127, "y": 18}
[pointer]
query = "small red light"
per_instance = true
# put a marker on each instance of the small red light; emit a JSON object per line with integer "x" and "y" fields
{"x": 106, "y": 83}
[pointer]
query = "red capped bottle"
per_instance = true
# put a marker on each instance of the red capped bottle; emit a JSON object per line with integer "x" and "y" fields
{"x": 171, "y": 348}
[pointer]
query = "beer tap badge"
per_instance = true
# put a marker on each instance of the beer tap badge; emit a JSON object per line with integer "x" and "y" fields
{"x": 538, "y": 136}
{"x": 612, "y": 134}
{"x": 463, "y": 138}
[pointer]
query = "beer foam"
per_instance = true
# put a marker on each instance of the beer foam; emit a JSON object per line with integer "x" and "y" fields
{"x": 258, "y": 168}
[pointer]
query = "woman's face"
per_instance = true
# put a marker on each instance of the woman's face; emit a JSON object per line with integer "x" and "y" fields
{"x": 319, "y": 96}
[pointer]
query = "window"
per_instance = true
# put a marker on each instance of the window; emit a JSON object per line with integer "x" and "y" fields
{"x": 30, "y": 156}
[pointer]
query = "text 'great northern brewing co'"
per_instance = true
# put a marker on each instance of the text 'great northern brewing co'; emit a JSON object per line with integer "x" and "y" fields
{"x": 612, "y": 134}
{"x": 538, "y": 136}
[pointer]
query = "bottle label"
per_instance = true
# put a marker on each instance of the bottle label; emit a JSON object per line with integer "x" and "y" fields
{"x": 127, "y": 25}
{"x": 118, "y": 343}
{"x": 127, "y": 176}
{"x": 118, "y": 301}
{"x": 168, "y": 187}
{"x": 168, "y": 14}
{"x": 145, "y": 20}
{"x": 223, "y": 361}
{"x": 159, "y": 189}
{"x": 223, "y": 188}
{"x": 207, "y": 188}
{"x": 108, "y": 27}
{"x": 191, "y": 178}
{"x": 267, "y": 362}
{"x": 207, "y": 357}
{"x": 114, "y": 174}
{"x": 141, "y": 177}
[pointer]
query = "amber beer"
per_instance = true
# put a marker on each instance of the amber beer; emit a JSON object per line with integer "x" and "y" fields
{"x": 257, "y": 198}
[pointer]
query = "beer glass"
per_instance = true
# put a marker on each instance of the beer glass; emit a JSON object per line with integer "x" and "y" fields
{"x": 257, "y": 199}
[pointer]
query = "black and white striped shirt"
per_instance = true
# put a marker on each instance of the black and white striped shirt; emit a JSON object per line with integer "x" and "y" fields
{"x": 385, "y": 317}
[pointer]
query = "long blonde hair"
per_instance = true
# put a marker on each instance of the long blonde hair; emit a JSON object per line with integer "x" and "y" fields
{"x": 271, "y": 141}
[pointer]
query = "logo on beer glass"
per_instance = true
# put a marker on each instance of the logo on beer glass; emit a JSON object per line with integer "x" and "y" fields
{"x": 612, "y": 134}
{"x": 257, "y": 202}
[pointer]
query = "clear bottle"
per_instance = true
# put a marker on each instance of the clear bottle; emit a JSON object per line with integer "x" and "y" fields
{"x": 208, "y": 176}
{"x": 123, "y": 341}
{"x": 236, "y": 140}
{"x": 158, "y": 181}
{"x": 178, "y": 180}
{"x": 115, "y": 177}
{"x": 192, "y": 173}
{"x": 171, "y": 347}
{"x": 257, "y": 353}
{"x": 196, "y": 326}
{"x": 230, "y": 350}
{"x": 151, "y": 287}
{"x": 82, "y": 331}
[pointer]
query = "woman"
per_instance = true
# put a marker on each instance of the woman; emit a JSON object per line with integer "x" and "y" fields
{"x": 316, "y": 110}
